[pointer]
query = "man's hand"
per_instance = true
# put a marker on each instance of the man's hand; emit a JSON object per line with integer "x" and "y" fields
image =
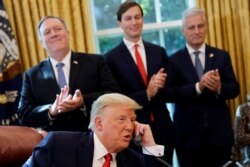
{"x": 71, "y": 102}
{"x": 65, "y": 102}
{"x": 156, "y": 82}
{"x": 54, "y": 111}
{"x": 146, "y": 134}
{"x": 211, "y": 80}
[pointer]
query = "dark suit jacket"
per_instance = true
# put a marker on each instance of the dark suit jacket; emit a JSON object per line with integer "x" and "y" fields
{"x": 190, "y": 109}
{"x": 76, "y": 149}
{"x": 89, "y": 73}
{"x": 127, "y": 75}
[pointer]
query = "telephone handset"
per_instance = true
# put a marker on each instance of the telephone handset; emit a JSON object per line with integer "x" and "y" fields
{"x": 137, "y": 139}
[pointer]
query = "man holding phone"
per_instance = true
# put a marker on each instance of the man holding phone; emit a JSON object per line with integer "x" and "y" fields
{"x": 113, "y": 124}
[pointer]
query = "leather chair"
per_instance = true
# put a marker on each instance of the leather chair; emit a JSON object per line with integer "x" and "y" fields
{"x": 17, "y": 143}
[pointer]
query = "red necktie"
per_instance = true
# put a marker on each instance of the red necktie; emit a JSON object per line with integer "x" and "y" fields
{"x": 140, "y": 65}
{"x": 108, "y": 159}
{"x": 142, "y": 72}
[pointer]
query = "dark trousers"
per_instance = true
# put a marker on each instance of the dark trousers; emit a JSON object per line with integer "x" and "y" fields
{"x": 206, "y": 155}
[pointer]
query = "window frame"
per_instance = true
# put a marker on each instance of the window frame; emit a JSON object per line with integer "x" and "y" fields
{"x": 157, "y": 26}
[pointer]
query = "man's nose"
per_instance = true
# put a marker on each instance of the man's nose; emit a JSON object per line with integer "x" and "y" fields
{"x": 197, "y": 29}
{"x": 129, "y": 125}
{"x": 134, "y": 21}
{"x": 53, "y": 33}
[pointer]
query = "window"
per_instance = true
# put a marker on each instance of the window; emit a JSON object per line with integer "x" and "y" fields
{"x": 161, "y": 23}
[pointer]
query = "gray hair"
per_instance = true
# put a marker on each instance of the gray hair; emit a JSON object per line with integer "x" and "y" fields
{"x": 45, "y": 18}
{"x": 191, "y": 12}
{"x": 109, "y": 100}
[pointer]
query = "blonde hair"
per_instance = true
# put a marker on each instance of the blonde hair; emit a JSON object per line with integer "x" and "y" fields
{"x": 109, "y": 100}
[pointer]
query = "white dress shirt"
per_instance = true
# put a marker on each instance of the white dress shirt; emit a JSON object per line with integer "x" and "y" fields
{"x": 100, "y": 151}
{"x": 130, "y": 45}
{"x": 201, "y": 54}
{"x": 202, "y": 60}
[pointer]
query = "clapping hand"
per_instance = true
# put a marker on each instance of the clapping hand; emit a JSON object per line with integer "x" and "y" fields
{"x": 211, "y": 80}
{"x": 156, "y": 82}
{"x": 65, "y": 102}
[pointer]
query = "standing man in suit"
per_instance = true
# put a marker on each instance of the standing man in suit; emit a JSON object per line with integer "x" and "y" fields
{"x": 201, "y": 118}
{"x": 54, "y": 105}
{"x": 143, "y": 79}
{"x": 113, "y": 124}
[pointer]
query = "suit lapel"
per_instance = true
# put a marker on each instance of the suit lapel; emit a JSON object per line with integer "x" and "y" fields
{"x": 86, "y": 151}
{"x": 188, "y": 64}
{"x": 121, "y": 160}
{"x": 127, "y": 57}
{"x": 209, "y": 59}
{"x": 46, "y": 69}
{"x": 74, "y": 69}
{"x": 149, "y": 59}
{"x": 49, "y": 75}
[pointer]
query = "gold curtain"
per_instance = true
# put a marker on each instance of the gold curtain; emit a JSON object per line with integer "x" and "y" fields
{"x": 229, "y": 29}
{"x": 24, "y": 16}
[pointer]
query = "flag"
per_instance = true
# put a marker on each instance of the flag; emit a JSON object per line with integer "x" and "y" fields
{"x": 10, "y": 72}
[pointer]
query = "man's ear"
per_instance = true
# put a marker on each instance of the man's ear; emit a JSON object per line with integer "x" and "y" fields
{"x": 98, "y": 124}
{"x": 42, "y": 43}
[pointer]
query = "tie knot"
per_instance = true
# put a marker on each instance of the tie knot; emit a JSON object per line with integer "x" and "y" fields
{"x": 196, "y": 53}
{"x": 108, "y": 157}
{"x": 60, "y": 65}
{"x": 136, "y": 46}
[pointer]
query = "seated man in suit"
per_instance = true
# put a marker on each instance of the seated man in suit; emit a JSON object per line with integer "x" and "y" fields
{"x": 113, "y": 122}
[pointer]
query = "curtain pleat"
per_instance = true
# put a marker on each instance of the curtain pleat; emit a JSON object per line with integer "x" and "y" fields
{"x": 24, "y": 16}
{"x": 228, "y": 29}
{"x": 87, "y": 23}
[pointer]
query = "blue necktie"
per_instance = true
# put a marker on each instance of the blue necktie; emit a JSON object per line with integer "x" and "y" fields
{"x": 61, "y": 76}
{"x": 198, "y": 66}
{"x": 199, "y": 71}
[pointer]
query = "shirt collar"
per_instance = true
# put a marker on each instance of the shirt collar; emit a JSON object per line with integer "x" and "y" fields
{"x": 191, "y": 50}
{"x": 99, "y": 149}
{"x": 65, "y": 61}
{"x": 130, "y": 44}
